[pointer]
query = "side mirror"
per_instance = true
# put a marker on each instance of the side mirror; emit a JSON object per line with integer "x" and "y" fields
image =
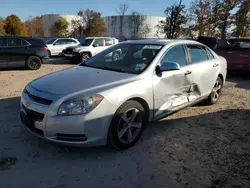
{"x": 95, "y": 45}
{"x": 169, "y": 66}
{"x": 54, "y": 44}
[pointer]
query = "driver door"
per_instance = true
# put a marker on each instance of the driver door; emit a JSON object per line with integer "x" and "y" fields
{"x": 171, "y": 87}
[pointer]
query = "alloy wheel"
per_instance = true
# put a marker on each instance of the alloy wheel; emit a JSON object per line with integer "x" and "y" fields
{"x": 216, "y": 90}
{"x": 129, "y": 126}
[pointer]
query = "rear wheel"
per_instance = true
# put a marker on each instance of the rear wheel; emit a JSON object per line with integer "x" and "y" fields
{"x": 84, "y": 57}
{"x": 127, "y": 125}
{"x": 33, "y": 63}
{"x": 216, "y": 92}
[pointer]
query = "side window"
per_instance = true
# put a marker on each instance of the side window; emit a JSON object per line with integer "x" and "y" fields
{"x": 2, "y": 42}
{"x": 69, "y": 41}
{"x": 99, "y": 42}
{"x": 209, "y": 54}
{"x": 14, "y": 42}
{"x": 108, "y": 42}
{"x": 197, "y": 54}
{"x": 175, "y": 54}
{"x": 60, "y": 42}
{"x": 25, "y": 43}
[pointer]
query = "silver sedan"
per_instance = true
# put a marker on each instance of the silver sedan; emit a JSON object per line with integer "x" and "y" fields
{"x": 109, "y": 101}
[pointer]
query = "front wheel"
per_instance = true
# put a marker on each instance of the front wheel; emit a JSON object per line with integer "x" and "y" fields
{"x": 216, "y": 92}
{"x": 84, "y": 57}
{"x": 127, "y": 125}
{"x": 33, "y": 63}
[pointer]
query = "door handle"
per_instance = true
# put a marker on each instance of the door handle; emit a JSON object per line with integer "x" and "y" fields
{"x": 216, "y": 65}
{"x": 188, "y": 72}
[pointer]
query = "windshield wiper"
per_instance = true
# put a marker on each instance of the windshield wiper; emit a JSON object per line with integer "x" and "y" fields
{"x": 112, "y": 69}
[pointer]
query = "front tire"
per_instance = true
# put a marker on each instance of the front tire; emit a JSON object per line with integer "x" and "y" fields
{"x": 33, "y": 63}
{"x": 127, "y": 125}
{"x": 84, "y": 57}
{"x": 216, "y": 92}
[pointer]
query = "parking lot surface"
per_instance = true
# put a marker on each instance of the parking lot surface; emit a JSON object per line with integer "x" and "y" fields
{"x": 201, "y": 146}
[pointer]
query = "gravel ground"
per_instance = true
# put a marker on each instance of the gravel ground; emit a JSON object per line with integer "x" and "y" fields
{"x": 201, "y": 146}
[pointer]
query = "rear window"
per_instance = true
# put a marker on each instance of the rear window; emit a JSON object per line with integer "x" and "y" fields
{"x": 36, "y": 42}
{"x": 14, "y": 42}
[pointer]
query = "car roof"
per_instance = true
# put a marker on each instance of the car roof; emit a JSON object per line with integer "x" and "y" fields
{"x": 161, "y": 41}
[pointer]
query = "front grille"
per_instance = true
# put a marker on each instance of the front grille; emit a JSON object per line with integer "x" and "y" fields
{"x": 34, "y": 115}
{"x": 39, "y": 99}
{"x": 71, "y": 137}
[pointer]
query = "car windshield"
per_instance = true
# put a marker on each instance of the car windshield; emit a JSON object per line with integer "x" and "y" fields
{"x": 50, "y": 41}
{"x": 128, "y": 58}
{"x": 87, "y": 42}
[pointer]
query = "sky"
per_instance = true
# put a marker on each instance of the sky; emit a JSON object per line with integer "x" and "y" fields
{"x": 26, "y": 8}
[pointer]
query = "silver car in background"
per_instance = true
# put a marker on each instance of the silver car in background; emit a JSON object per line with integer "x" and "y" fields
{"x": 110, "y": 101}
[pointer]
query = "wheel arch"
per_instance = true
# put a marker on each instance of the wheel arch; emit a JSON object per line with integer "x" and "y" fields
{"x": 222, "y": 78}
{"x": 87, "y": 52}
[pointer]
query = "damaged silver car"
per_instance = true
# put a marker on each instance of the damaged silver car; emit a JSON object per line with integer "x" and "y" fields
{"x": 109, "y": 101}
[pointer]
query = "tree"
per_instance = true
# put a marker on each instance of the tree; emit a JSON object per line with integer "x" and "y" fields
{"x": 175, "y": 18}
{"x": 35, "y": 26}
{"x": 2, "y": 31}
{"x": 60, "y": 27}
{"x": 80, "y": 26}
{"x": 137, "y": 23}
{"x": 13, "y": 25}
{"x": 145, "y": 30}
{"x": 160, "y": 28}
{"x": 24, "y": 31}
{"x": 121, "y": 10}
{"x": 225, "y": 14}
{"x": 93, "y": 24}
{"x": 242, "y": 19}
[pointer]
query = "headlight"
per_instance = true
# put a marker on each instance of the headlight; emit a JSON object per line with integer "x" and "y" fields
{"x": 81, "y": 106}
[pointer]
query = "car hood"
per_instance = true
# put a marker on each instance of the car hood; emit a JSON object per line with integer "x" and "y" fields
{"x": 80, "y": 78}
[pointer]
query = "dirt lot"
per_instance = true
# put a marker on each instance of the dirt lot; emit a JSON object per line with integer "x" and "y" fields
{"x": 201, "y": 146}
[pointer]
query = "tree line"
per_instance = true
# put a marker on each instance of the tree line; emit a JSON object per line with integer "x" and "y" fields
{"x": 202, "y": 17}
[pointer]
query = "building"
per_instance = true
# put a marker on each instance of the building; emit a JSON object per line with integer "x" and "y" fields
{"x": 133, "y": 26}
{"x": 50, "y": 19}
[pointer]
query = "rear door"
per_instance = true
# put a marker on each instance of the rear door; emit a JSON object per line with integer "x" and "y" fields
{"x": 16, "y": 51}
{"x": 99, "y": 46}
{"x": 59, "y": 46}
{"x": 171, "y": 87}
{"x": 204, "y": 69}
{"x": 3, "y": 58}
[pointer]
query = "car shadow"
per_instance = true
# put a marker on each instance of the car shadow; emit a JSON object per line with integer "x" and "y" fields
{"x": 241, "y": 79}
{"x": 59, "y": 60}
{"x": 179, "y": 147}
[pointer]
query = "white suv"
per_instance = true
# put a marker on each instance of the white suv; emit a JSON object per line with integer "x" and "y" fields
{"x": 90, "y": 47}
{"x": 57, "y": 45}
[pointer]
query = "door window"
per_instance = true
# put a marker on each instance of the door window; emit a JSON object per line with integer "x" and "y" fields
{"x": 175, "y": 54}
{"x": 108, "y": 42}
{"x": 14, "y": 42}
{"x": 2, "y": 42}
{"x": 99, "y": 42}
{"x": 69, "y": 41}
{"x": 60, "y": 42}
{"x": 209, "y": 54}
{"x": 197, "y": 54}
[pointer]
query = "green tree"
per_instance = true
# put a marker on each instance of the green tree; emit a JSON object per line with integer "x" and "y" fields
{"x": 94, "y": 24}
{"x": 60, "y": 27}
{"x": 13, "y": 25}
{"x": 242, "y": 20}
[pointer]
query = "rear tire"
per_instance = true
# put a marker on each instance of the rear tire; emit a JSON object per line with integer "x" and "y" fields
{"x": 216, "y": 92}
{"x": 33, "y": 63}
{"x": 127, "y": 125}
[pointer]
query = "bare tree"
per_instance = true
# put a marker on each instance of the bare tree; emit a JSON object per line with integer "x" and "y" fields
{"x": 145, "y": 30}
{"x": 121, "y": 10}
{"x": 137, "y": 23}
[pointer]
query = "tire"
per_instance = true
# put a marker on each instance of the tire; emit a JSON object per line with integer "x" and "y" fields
{"x": 49, "y": 54}
{"x": 116, "y": 56}
{"x": 127, "y": 125}
{"x": 84, "y": 57}
{"x": 216, "y": 92}
{"x": 33, "y": 63}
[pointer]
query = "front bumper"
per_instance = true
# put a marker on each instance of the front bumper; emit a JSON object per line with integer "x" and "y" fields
{"x": 75, "y": 56}
{"x": 76, "y": 130}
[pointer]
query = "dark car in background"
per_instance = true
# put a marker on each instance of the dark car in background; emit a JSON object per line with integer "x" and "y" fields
{"x": 237, "y": 53}
{"x": 22, "y": 51}
{"x": 211, "y": 42}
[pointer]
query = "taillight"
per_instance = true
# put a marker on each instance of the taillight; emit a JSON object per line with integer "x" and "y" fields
{"x": 46, "y": 48}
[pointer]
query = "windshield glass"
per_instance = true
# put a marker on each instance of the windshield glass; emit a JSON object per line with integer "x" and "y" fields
{"x": 50, "y": 41}
{"x": 129, "y": 58}
{"x": 87, "y": 42}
